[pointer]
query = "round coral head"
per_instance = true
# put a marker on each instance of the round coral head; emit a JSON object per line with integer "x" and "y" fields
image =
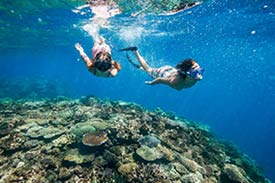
{"x": 94, "y": 139}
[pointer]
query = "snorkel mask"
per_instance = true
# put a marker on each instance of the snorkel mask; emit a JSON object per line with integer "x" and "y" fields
{"x": 195, "y": 73}
{"x": 103, "y": 63}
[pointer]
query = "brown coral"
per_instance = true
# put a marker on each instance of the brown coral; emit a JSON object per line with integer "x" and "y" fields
{"x": 94, "y": 139}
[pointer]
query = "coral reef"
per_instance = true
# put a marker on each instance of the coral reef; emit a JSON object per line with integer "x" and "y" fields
{"x": 155, "y": 6}
{"x": 93, "y": 140}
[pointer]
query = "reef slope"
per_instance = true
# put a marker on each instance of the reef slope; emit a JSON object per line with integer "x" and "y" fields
{"x": 100, "y": 141}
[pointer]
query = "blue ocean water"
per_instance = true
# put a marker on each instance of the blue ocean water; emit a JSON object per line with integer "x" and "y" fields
{"x": 234, "y": 41}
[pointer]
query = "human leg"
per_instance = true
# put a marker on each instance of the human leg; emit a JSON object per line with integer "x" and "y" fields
{"x": 142, "y": 61}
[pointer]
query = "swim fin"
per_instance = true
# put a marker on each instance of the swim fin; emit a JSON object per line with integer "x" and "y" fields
{"x": 133, "y": 48}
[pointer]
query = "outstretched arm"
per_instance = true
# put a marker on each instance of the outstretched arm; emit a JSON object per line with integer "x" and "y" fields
{"x": 84, "y": 56}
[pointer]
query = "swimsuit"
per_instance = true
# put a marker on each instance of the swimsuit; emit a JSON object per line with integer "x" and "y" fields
{"x": 163, "y": 72}
{"x": 100, "y": 73}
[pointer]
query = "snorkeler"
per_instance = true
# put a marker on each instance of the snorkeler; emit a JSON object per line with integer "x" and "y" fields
{"x": 101, "y": 9}
{"x": 104, "y": 9}
{"x": 101, "y": 63}
{"x": 184, "y": 75}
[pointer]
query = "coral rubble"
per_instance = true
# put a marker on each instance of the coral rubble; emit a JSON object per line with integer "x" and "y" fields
{"x": 93, "y": 140}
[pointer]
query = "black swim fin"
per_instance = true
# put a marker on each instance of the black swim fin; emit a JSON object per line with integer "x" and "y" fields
{"x": 133, "y": 48}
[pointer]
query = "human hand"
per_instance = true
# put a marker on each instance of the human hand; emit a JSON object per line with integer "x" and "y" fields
{"x": 102, "y": 40}
{"x": 78, "y": 47}
{"x": 149, "y": 82}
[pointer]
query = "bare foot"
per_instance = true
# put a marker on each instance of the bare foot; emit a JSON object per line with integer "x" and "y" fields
{"x": 102, "y": 40}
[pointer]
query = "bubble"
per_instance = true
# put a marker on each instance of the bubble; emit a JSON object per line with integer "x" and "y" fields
{"x": 131, "y": 33}
{"x": 253, "y": 32}
{"x": 39, "y": 19}
{"x": 92, "y": 28}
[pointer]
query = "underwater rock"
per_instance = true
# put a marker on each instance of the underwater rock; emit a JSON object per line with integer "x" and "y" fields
{"x": 12, "y": 142}
{"x": 49, "y": 149}
{"x": 59, "y": 123}
{"x": 191, "y": 165}
{"x": 99, "y": 124}
{"x": 63, "y": 140}
{"x": 4, "y": 128}
{"x": 149, "y": 154}
{"x": 111, "y": 158}
{"x": 52, "y": 132}
{"x": 151, "y": 173}
{"x": 193, "y": 178}
{"x": 100, "y": 161}
{"x": 168, "y": 154}
{"x": 3, "y": 160}
{"x": 24, "y": 128}
{"x": 233, "y": 173}
{"x": 74, "y": 156}
{"x": 148, "y": 140}
{"x": 180, "y": 168}
{"x": 33, "y": 132}
{"x": 127, "y": 168}
{"x": 94, "y": 139}
{"x": 48, "y": 163}
{"x": 170, "y": 171}
{"x": 118, "y": 150}
{"x": 64, "y": 173}
{"x": 31, "y": 143}
{"x": 44, "y": 132}
{"x": 51, "y": 176}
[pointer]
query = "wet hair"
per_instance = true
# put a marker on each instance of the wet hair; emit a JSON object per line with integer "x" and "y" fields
{"x": 185, "y": 66}
{"x": 103, "y": 56}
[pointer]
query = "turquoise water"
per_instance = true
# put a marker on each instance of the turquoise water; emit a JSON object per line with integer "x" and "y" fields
{"x": 234, "y": 42}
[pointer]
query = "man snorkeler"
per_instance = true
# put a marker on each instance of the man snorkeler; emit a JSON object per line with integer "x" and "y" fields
{"x": 184, "y": 75}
